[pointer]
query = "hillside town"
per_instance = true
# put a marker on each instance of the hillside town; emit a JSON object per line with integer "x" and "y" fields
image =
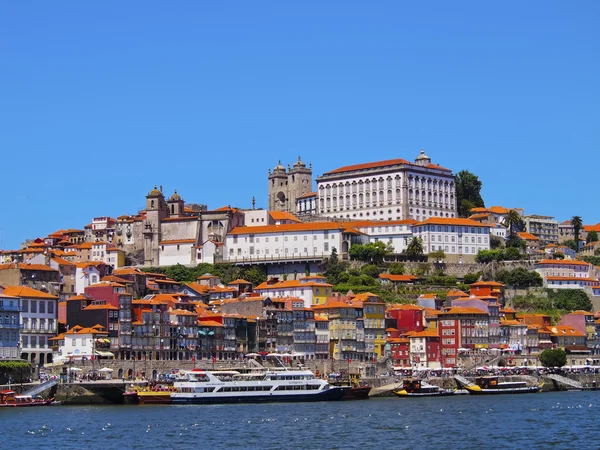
{"x": 384, "y": 262}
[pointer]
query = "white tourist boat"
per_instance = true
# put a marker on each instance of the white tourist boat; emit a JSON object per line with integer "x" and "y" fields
{"x": 209, "y": 387}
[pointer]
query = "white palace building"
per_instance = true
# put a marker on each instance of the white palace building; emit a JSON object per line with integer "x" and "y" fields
{"x": 388, "y": 190}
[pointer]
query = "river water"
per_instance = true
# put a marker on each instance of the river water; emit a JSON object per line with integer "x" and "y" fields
{"x": 549, "y": 420}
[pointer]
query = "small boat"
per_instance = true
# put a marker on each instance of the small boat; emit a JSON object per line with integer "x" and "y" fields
{"x": 492, "y": 385}
{"x": 9, "y": 399}
{"x": 412, "y": 387}
{"x": 358, "y": 393}
{"x": 212, "y": 387}
{"x": 156, "y": 394}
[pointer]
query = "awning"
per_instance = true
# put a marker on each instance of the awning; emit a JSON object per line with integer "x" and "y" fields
{"x": 105, "y": 354}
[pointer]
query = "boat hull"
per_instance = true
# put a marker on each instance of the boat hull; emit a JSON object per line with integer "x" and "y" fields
{"x": 332, "y": 394}
{"x": 440, "y": 393}
{"x": 476, "y": 390}
{"x": 27, "y": 405}
{"x": 357, "y": 393}
{"x": 154, "y": 398}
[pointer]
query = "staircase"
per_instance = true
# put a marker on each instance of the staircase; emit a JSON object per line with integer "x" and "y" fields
{"x": 41, "y": 388}
{"x": 462, "y": 381}
{"x": 559, "y": 379}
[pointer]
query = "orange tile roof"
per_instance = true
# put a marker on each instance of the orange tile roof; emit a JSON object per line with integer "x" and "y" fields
{"x": 182, "y": 312}
{"x": 527, "y": 236}
{"x": 107, "y": 283}
{"x": 461, "y": 310}
{"x": 239, "y": 281}
{"x": 94, "y": 307}
{"x": 563, "y": 262}
{"x": 116, "y": 279}
{"x": 79, "y": 330}
{"x": 210, "y": 323}
{"x": 86, "y": 264}
{"x": 571, "y": 279}
{"x": 371, "y": 165}
{"x": 282, "y": 215}
{"x": 289, "y": 284}
{"x": 24, "y": 291}
{"x": 128, "y": 271}
{"x": 487, "y": 283}
{"x": 25, "y": 266}
{"x": 479, "y": 216}
{"x": 178, "y": 241}
{"x": 62, "y": 262}
{"x": 425, "y": 333}
{"x": 456, "y": 293}
{"x": 559, "y": 330}
{"x": 387, "y": 276}
{"x": 404, "y": 307}
{"x": 310, "y": 194}
{"x": 290, "y": 228}
{"x": 456, "y": 221}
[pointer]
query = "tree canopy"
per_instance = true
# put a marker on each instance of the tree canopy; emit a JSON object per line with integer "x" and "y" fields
{"x": 372, "y": 252}
{"x": 519, "y": 278}
{"x": 592, "y": 236}
{"x": 553, "y": 357}
{"x": 415, "y": 247}
{"x": 577, "y": 224}
{"x": 468, "y": 192}
{"x": 570, "y": 299}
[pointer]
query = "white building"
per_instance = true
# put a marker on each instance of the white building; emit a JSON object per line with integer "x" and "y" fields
{"x": 306, "y": 205}
{"x": 177, "y": 251}
{"x": 459, "y": 239}
{"x": 39, "y": 320}
{"x": 312, "y": 290}
{"x": 301, "y": 243}
{"x": 86, "y": 274}
{"x": 388, "y": 190}
{"x": 79, "y": 343}
{"x": 395, "y": 234}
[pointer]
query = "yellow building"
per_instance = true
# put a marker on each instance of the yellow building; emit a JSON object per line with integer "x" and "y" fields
{"x": 374, "y": 321}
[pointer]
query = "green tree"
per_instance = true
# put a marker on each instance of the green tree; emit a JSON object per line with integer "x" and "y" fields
{"x": 553, "y": 357}
{"x": 514, "y": 222}
{"x": 372, "y": 252}
{"x": 577, "y": 224}
{"x": 496, "y": 242}
{"x": 592, "y": 236}
{"x": 486, "y": 256}
{"x": 255, "y": 274}
{"x": 570, "y": 243}
{"x": 437, "y": 256}
{"x": 471, "y": 278}
{"x": 511, "y": 254}
{"x": 558, "y": 255}
{"x": 180, "y": 273}
{"x": 397, "y": 269}
{"x": 415, "y": 247}
{"x": 16, "y": 371}
{"x": 333, "y": 267}
{"x": 468, "y": 192}
{"x": 370, "y": 270}
{"x": 570, "y": 299}
{"x": 516, "y": 242}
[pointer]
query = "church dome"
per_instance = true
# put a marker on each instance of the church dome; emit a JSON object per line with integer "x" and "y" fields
{"x": 299, "y": 164}
{"x": 154, "y": 192}
{"x": 175, "y": 197}
{"x": 279, "y": 167}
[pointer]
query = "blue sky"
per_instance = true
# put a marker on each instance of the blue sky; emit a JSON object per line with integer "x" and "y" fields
{"x": 102, "y": 100}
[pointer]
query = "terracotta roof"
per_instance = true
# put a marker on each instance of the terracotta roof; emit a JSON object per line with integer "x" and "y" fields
{"x": 288, "y": 228}
{"x": 456, "y": 293}
{"x": 563, "y": 262}
{"x": 452, "y": 221}
{"x": 289, "y": 284}
{"x": 178, "y": 241}
{"x": 63, "y": 262}
{"x": 461, "y": 310}
{"x": 487, "y": 283}
{"x": 281, "y": 215}
{"x": 127, "y": 271}
{"x": 209, "y": 323}
{"x": 310, "y": 194}
{"x": 571, "y": 279}
{"x": 387, "y": 276}
{"x": 86, "y": 264}
{"x": 93, "y": 307}
{"x": 527, "y": 236}
{"x": 388, "y": 162}
{"x": 560, "y": 330}
{"x": 240, "y": 281}
{"x": 25, "y": 266}
{"x": 24, "y": 291}
{"x": 116, "y": 279}
{"x": 425, "y": 333}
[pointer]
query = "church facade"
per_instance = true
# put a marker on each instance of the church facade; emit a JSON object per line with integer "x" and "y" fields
{"x": 287, "y": 186}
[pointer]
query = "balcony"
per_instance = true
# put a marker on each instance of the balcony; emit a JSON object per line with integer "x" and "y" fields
{"x": 11, "y": 326}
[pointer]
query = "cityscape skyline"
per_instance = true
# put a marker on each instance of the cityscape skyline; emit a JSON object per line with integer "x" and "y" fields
{"x": 206, "y": 98}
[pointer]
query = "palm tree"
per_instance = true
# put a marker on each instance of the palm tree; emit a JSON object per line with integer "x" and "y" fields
{"x": 577, "y": 226}
{"x": 415, "y": 247}
{"x": 514, "y": 222}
